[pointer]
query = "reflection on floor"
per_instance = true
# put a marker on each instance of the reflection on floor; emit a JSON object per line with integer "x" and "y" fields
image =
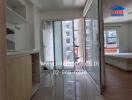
{"x": 118, "y": 84}
{"x": 67, "y": 87}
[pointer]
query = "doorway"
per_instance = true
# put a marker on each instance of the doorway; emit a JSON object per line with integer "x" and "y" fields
{"x": 118, "y": 51}
{"x": 61, "y": 45}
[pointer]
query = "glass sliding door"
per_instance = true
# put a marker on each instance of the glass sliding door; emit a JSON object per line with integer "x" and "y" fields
{"x": 48, "y": 48}
{"x": 58, "y": 56}
{"x": 58, "y": 44}
{"x": 68, "y": 44}
{"x": 93, "y": 40}
{"x": 92, "y": 49}
{"x": 89, "y": 44}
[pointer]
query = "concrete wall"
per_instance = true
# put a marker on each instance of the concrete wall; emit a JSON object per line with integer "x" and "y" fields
{"x": 123, "y": 34}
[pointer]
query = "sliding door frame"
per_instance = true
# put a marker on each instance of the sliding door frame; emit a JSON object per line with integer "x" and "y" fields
{"x": 62, "y": 44}
{"x": 101, "y": 42}
{"x": 73, "y": 42}
{"x": 55, "y": 44}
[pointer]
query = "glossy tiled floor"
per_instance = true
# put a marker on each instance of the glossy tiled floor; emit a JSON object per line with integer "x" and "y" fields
{"x": 67, "y": 87}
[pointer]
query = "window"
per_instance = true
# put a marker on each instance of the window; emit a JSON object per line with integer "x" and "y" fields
{"x": 67, "y": 26}
{"x": 111, "y": 41}
{"x": 69, "y": 56}
{"x": 68, "y": 40}
{"x": 88, "y": 39}
{"x": 67, "y": 48}
{"x": 67, "y": 33}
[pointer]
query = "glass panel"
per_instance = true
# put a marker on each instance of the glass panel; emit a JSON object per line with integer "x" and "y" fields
{"x": 68, "y": 49}
{"x": 92, "y": 42}
{"x": 89, "y": 41}
{"x": 48, "y": 45}
{"x": 58, "y": 44}
{"x": 78, "y": 43}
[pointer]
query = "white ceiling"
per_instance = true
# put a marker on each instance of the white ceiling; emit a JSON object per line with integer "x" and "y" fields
{"x": 58, "y": 4}
{"x": 107, "y": 5}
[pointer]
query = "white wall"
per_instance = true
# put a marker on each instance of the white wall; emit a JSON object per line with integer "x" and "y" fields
{"x": 130, "y": 35}
{"x": 30, "y": 26}
{"x": 37, "y": 28}
{"x": 123, "y": 33}
{"x": 124, "y": 38}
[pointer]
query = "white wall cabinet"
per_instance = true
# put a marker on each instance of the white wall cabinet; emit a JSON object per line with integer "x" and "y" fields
{"x": 20, "y": 18}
